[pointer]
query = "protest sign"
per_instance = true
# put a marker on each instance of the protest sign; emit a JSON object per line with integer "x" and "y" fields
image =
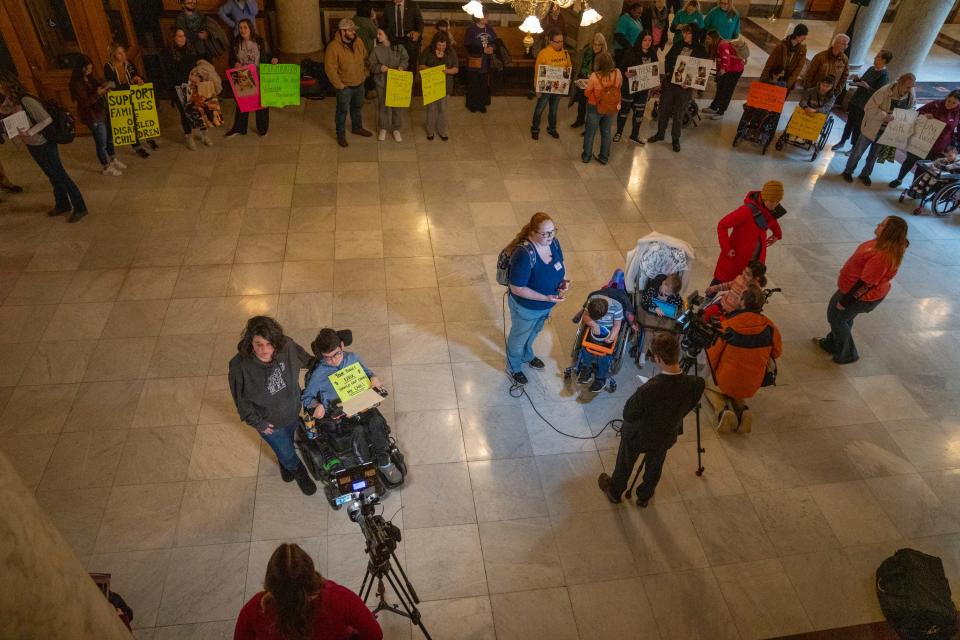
{"x": 692, "y": 73}
{"x": 910, "y": 132}
{"x": 15, "y": 122}
{"x": 122, "y": 124}
{"x": 279, "y": 85}
{"x": 145, "y": 110}
{"x": 399, "y": 88}
{"x": 349, "y": 382}
{"x": 433, "y": 81}
{"x": 766, "y": 96}
{"x": 245, "y": 85}
{"x": 552, "y": 79}
{"x": 643, "y": 76}
{"x": 926, "y": 131}
{"x": 806, "y": 126}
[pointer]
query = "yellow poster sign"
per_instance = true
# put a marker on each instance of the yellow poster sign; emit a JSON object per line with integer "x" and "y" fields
{"x": 399, "y": 88}
{"x": 349, "y": 382}
{"x": 145, "y": 106}
{"x": 122, "y": 123}
{"x": 434, "y": 83}
{"x": 806, "y": 126}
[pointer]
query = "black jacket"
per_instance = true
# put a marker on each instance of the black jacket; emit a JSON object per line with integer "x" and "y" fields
{"x": 412, "y": 19}
{"x": 268, "y": 393}
{"x": 653, "y": 416}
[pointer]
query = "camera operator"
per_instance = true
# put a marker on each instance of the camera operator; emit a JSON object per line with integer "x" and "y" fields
{"x": 652, "y": 419}
{"x": 328, "y": 346}
{"x": 265, "y": 384}
{"x": 739, "y": 360}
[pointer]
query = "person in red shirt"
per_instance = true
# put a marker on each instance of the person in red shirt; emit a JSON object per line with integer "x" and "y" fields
{"x": 300, "y": 604}
{"x": 863, "y": 283}
{"x": 743, "y": 232}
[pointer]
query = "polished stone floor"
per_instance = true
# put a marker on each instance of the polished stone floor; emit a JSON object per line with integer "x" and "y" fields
{"x": 117, "y": 331}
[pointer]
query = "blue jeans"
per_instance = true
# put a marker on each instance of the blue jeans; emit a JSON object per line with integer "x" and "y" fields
{"x": 839, "y": 341}
{"x": 603, "y": 363}
{"x": 525, "y": 325}
{"x": 596, "y": 120}
{"x": 281, "y": 441}
{"x": 103, "y": 141}
{"x": 349, "y": 99}
{"x": 863, "y": 142}
{"x": 65, "y": 191}
{"x": 545, "y": 99}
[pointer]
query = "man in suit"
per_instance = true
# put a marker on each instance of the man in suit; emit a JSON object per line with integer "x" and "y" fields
{"x": 403, "y": 22}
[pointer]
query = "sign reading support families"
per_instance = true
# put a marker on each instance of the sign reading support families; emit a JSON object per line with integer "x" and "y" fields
{"x": 806, "y": 126}
{"x": 349, "y": 382}
{"x": 245, "y": 84}
{"x": 692, "y": 73}
{"x": 643, "y": 76}
{"x": 911, "y": 133}
{"x": 399, "y": 88}
{"x": 279, "y": 85}
{"x": 766, "y": 96}
{"x": 145, "y": 106}
{"x": 122, "y": 123}
{"x": 552, "y": 79}
{"x": 433, "y": 81}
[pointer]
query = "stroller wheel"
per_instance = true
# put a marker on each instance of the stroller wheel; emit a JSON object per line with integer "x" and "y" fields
{"x": 779, "y": 144}
{"x": 902, "y": 196}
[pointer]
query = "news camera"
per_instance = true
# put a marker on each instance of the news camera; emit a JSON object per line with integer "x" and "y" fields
{"x": 696, "y": 334}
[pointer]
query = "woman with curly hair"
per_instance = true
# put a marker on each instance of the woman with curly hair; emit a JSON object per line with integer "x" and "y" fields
{"x": 265, "y": 383}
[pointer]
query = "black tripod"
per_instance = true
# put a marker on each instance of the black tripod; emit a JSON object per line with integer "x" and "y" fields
{"x": 379, "y": 568}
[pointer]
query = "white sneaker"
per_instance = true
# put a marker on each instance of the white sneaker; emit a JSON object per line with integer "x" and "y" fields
{"x": 111, "y": 170}
{"x": 191, "y": 143}
{"x": 383, "y": 135}
{"x": 116, "y": 162}
{"x": 397, "y": 136}
{"x": 205, "y": 139}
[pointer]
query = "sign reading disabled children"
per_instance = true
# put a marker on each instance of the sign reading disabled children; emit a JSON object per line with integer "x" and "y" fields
{"x": 122, "y": 124}
{"x": 280, "y": 85}
{"x": 145, "y": 107}
{"x": 349, "y": 382}
{"x": 399, "y": 88}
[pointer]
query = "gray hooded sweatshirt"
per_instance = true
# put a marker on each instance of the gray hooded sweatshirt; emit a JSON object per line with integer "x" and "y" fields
{"x": 268, "y": 392}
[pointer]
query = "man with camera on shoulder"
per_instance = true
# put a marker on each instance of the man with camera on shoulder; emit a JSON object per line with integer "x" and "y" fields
{"x": 652, "y": 420}
{"x": 742, "y": 361}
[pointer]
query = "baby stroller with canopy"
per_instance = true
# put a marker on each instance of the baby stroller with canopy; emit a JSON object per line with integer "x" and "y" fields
{"x": 655, "y": 254}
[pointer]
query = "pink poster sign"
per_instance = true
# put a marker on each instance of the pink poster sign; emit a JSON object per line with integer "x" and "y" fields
{"x": 245, "y": 84}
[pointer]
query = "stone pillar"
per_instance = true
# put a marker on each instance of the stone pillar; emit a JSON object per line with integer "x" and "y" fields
{"x": 46, "y": 592}
{"x": 299, "y": 26}
{"x": 865, "y": 29}
{"x": 914, "y": 30}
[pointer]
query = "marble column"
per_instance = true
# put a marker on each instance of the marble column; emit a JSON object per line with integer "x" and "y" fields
{"x": 46, "y": 591}
{"x": 865, "y": 29}
{"x": 299, "y": 26}
{"x": 914, "y": 30}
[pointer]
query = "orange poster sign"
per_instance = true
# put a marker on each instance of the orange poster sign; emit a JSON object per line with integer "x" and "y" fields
{"x": 763, "y": 95}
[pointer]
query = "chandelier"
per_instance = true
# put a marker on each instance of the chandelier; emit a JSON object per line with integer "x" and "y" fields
{"x": 532, "y": 11}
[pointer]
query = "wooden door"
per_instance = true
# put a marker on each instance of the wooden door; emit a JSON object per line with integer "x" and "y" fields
{"x": 830, "y": 7}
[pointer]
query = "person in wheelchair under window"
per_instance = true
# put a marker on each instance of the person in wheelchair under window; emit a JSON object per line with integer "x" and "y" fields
{"x": 368, "y": 429}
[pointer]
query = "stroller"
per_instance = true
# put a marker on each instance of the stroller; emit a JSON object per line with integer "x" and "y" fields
{"x": 940, "y": 188}
{"x": 758, "y": 126}
{"x": 584, "y": 343}
{"x": 690, "y": 116}
{"x": 655, "y": 254}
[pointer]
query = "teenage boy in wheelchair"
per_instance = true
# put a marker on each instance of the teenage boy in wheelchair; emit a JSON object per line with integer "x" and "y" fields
{"x": 367, "y": 431}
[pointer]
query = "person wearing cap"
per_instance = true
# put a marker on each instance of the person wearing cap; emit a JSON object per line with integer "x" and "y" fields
{"x": 830, "y": 62}
{"x": 345, "y": 62}
{"x": 743, "y": 233}
{"x": 790, "y": 55}
{"x": 876, "y": 116}
{"x": 674, "y": 99}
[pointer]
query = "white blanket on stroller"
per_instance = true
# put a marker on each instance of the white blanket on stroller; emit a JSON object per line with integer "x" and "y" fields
{"x": 657, "y": 253}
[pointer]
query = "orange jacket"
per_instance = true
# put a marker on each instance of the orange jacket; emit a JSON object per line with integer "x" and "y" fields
{"x": 739, "y": 357}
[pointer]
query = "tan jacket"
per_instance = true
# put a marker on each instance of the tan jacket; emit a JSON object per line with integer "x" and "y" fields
{"x": 791, "y": 61}
{"x": 345, "y": 67}
{"x": 878, "y": 107}
{"x": 824, "y": 64}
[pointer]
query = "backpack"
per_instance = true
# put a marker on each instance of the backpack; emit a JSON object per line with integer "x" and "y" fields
{"x": 740, "y": 46}
{"x": 609, "y": 99}
{"x": 503, "y": 262}
{"x": 915, "y": 596}
{"x": 63, "y": 129}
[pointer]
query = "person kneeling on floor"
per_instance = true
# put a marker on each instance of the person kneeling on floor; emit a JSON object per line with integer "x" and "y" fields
{"x": 652, "y": 420}
{"x": 319, "y": 393}
{"x": 739, "y": 360}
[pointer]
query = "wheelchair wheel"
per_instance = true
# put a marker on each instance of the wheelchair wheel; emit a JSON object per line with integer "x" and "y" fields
{"x": 947, "y": 200}
{"x": 780, "y": 141}
{"x": 331, "y": 498}
{"x": 815, "y": 152}
{"x": 824, "y": 135}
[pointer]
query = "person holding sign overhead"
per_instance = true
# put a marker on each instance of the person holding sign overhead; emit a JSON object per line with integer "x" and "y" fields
{"x": 248, "y": 49}
{"x": 46, "y": 153}
{"x": 120, "y": 74}
{"x": 440, "y": 53}
{"x": 387, "y": 55}
{"x": 345, "y": 63}
{"x": 553, "y": 55}
{"x": 88, "y": 92}
{"x": 876, "y": 116}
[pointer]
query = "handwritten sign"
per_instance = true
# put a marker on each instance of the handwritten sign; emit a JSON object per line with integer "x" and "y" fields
{"x": 912, "y": 133}
{"x": 643, "y": 77}
{"x": 349, "y": 382}
{"x": 122, "y": 123}
{"x": 766, "y": 96}
{"x": 145, "y": 107}
{"x": 245, "y": 84}
{"x": 806, "y": 126}
{"x": 926, "y": 132}
{"x": 399, "y": 88}
{"x": 434, "y": 84}
{"x": 279, "y": 85}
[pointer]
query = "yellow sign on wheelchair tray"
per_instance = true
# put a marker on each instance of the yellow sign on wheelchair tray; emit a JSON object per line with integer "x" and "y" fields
{"x": 349, "y": 382}
{"x": 806, "y": 126}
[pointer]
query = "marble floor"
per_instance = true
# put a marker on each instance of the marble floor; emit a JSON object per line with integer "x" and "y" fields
{"x": 114, "y": 405}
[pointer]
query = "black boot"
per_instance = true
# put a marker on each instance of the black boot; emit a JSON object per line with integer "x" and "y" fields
{"x": 304, "y": 481}
{"x": 286, "y": 476}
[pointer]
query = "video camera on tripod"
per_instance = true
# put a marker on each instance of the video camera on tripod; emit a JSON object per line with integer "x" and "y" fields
{"x": 696, "y": 334}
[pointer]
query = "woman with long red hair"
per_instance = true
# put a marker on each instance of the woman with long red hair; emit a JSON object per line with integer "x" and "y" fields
{"x": 863, "y": 283}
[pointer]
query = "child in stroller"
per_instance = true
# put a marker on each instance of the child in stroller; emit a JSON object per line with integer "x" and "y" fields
{"x": 932, "y": 177}
{"x": 729, "y": 294}
{"x": 661, "y": 296}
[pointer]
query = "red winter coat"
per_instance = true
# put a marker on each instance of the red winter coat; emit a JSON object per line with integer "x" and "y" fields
{"x": 741, "y": 231}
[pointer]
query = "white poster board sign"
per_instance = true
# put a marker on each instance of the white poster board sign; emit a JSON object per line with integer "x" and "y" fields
{"x": 553, "y": 79}
{"x": 692, "y": 73}
{"x": 15, "y": 122}
{"x": 912, "y": 133}
{"x": 643, "y": 77}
